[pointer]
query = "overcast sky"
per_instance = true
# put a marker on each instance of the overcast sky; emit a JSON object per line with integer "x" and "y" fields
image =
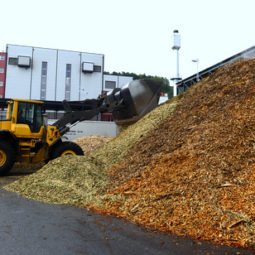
{"x": 134, "y": 35}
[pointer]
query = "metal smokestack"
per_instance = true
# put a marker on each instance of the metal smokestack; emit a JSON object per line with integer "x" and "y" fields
{"x": 176, "y": 46}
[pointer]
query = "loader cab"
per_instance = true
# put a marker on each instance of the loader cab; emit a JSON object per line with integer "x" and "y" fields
{"x": 31, "y": 114}
{"x": 26, "y": 117}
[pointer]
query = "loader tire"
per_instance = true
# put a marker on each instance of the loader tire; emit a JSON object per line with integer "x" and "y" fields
{"x": 67, "y": 148}
{"x": 7, "y": 157}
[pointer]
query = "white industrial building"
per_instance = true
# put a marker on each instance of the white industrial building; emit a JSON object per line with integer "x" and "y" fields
{"x": 114, "y": 81}
{"x": 52, "y": 74}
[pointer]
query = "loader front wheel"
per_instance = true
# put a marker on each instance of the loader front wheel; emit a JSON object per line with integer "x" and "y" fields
{"x": 7, "y": 157}
{"x": 3, "y": 157}
{"x": 67, "y": 148}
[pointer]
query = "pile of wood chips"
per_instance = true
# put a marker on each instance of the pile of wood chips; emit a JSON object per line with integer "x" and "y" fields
{"x": 187, "y": 168}
{"x": 92, "y": 142}
{"x": 195, "y": 174}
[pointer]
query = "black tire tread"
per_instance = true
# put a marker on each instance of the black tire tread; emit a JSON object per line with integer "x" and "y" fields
{"x": 10, "y": 154}
{"x": 66, "y": 146}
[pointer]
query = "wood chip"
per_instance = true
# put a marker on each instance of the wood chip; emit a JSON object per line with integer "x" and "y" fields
{"x": 236, "y": 223}
{"x": 227, "y": 184}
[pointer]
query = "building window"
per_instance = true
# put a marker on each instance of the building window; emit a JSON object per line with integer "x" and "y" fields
{"x": 110, "y": 84}
{"x": 43, "y": 80}
{"x": 1, "y": 70}
{"x": 1, "y": 83}
{"x": 13, "y": 61}
{"x": 68, "y": 82}
{"x": 2, "y": 57}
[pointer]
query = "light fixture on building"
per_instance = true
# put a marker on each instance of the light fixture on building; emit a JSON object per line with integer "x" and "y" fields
{"x": 197, "y": 73}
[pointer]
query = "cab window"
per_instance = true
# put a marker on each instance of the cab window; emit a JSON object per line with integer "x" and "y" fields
{"x": 30, "y": 114}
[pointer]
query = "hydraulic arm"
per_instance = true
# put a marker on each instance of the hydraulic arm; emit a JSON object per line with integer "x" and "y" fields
{"x": 127, "y": 105}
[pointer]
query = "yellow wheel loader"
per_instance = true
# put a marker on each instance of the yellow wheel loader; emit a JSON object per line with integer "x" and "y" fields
{"x": 25, "y": 138}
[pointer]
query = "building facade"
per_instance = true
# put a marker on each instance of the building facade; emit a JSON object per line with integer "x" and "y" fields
{"x": 2, "y": 73}
{"x": 52, "y": 74}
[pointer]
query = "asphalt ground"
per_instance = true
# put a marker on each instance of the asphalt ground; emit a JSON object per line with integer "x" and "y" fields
{"x": 29, "y": 227}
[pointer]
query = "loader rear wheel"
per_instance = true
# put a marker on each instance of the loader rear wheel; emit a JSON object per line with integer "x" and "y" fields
{"x": 7, "y": 157}
{"x": 67, "y": 148}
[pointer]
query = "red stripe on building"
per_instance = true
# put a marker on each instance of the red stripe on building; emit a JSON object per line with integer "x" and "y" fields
{"x": 3, "y": 57}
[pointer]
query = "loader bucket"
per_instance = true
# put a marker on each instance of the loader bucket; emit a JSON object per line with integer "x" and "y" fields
{"x": 137, "y": 99}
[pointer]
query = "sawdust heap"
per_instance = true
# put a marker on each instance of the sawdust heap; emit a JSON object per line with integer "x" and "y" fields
{"x": 186, "y": 168}
{"x": 194, "y": 175}
{"x": 92, "y": 142}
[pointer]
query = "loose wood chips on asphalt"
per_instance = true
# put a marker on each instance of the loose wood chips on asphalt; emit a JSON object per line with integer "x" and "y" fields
{"x": 186, "y": 168}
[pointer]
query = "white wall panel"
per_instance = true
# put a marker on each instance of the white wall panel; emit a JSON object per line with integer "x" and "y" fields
{"x": 88, "y": 127}
{"x": 64, "y": 58}
{"x": 44, "y": 55}
{"x": 110, "y": 78}
{"x": 18, "y": 79}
